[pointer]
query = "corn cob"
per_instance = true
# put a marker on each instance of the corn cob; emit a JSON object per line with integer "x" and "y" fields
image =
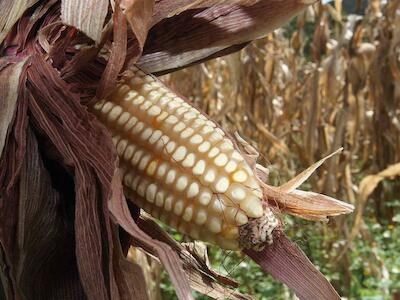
{"x": 181, "y": 168}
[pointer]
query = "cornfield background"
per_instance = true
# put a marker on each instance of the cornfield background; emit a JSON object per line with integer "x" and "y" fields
{"x": 327, "y": 80}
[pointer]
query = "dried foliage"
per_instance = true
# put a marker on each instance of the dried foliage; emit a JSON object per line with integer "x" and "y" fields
{"x": 328, "y": 80}
{"x": 61, "y": 199}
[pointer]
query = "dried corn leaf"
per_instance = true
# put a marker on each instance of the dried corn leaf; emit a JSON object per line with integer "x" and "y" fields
{"x": 43, "y": 234}
{"x": 10, "y": 78}
{"x": 287, "y": 263}
{"x": 367, "y": 185}
{"x": 295, "y": 182}
{"x": 201, "y": 276}
{"x": 197, "y": 34}
{"x": 170, "y": 260}
{"x": 11, "y": 11}
{"x": 139, "y": 14}
{"x": 207, "y": 3}
{"x": 87, "y": 16}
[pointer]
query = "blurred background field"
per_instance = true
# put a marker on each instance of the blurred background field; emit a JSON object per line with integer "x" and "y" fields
{"x": 328, "y": 79}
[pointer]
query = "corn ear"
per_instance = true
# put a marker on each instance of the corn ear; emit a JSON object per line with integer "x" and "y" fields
{"x": 181, "y": 168}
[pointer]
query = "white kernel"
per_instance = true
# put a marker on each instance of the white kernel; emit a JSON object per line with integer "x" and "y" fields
{"x": 154, "y": 96}
{"x": 210, "y": 176}
{"x": 178, "y": 208}
{"x": 198, "y": 122}
{"x": 207, "y": 129}
{"x": 170, "y": 176}
{"x": 152, "y": 167}
{"x": 135, "y": 80}
{"x": 138, "y": 128}
{"x": 179, "y": 153}
{"x": 170, "y": 147}
{"x": 146, "y": 105}
{"x": 211, "y": 123}
{"x": 179, "y": 127}
{"x": 201, "y": 217}
{"x": 162, "y": 116}
{"x": 99, "y": 105}
{"x": 221, "y": 160}
{"x": 114, "y": 113}
{"x": 181, "y": 183}
{"x": 143, "y": 162}
{"x": 215, "y": 137}
{"x": 146, "y": 134}
{"x": 226, "y": 145}
{"x": 161, "y": 143}
{"x": 213, "y": 152}
{"x": 121, "y": 146}
{"x": 237, "y": 193}
{"x": 128, "y": 179}
{"x": 196, "y": 139}
{"x": 220, "y": 131}
{"x": 187, "y": 133}
{"x": 240, "y": 176}
{"x": 135, "y": 182}
{"x": 162, "y": 169}
{"x": 188, "y": 214}
{"x": 252, "y": 207}
{"x": 241, "y": 218}
{"x": 123, "y": 118}
{"x": 163, "y": 101}
{"x": 189, "y": 161}
{"x": 205, "y": 197}
{"x": 215, "y": 225}
{"x": 141, "y": 189}
{"x": 203, "y": 118}
{"x": 236, "y": 155}
{"x": 235, "y": 216}
{"x": 155, "y": 136}
{"x": 222, "y": 185}
{"x": 130, "y": 95}
{"x": 199, "y": 168}
{"x": 151, "y": 192}
{"x": 181, "y": 110}
{"x": 230, "y": 166}
{"x": 168, "y": 203}
{"x": 129, "y": 152}
{"x": 107, "y": 107}
{"x": 138, "y": 100}
{"x": 136, "y": 157}
{"x": 132, "y": 122}
{"x": 147, "y": 88}
{"x": 171, "y": 120}
{"x": 190, "y": 115}
{"x": 171, "y": 105}
{"x": 160, "y": 198}
{"x": 154, "y": 111}
{"x": 217, "y": 205}
{"x": 193, "y": 190}
{"x": 204, "y": 147}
